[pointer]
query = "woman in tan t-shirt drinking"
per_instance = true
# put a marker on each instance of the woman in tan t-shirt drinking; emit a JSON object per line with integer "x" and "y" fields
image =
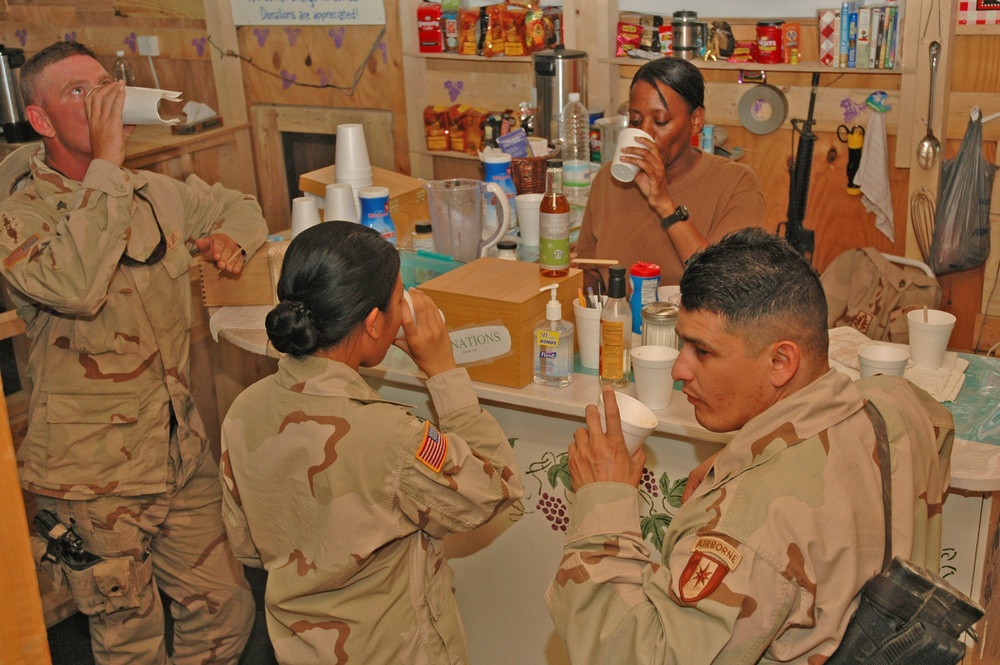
{"x": 682, "y": 199}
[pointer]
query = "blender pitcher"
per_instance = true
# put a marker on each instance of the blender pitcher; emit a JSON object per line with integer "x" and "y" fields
{"x": 456, "y": 208}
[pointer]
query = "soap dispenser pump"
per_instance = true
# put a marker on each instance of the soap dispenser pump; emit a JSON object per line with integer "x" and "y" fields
{"x": 553, "y": 344}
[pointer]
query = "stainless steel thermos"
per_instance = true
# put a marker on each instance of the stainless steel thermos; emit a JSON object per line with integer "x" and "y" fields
{"x": 16, "y": 128}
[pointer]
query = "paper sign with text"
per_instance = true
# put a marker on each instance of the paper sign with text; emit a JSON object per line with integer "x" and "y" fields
{"x": 308, "y": 12}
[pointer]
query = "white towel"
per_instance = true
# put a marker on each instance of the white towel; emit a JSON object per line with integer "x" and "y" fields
{"x": 873, "y": 175}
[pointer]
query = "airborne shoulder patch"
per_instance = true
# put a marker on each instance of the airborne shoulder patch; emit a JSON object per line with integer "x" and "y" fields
{"x": 711, "y": 560}
{"x": 434, "y": 448}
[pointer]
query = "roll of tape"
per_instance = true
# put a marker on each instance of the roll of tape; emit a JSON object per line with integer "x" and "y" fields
{"x": 762, "y": 109}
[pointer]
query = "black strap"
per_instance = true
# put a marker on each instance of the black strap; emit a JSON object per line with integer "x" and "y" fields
{"x": 884, "y": 465}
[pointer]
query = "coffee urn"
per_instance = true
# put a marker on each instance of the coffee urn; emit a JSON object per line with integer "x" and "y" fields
{"x": 16, "y": 128}
{"x": 558, "y": 72}
{"x": 689, "y": 34}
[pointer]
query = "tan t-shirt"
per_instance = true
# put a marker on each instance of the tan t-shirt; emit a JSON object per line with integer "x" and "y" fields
{"x": 721, "y": 196}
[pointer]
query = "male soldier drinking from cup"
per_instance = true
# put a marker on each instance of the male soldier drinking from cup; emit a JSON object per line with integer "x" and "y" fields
{"x": 765, "y": 559}
{"x": 97, "y": 257}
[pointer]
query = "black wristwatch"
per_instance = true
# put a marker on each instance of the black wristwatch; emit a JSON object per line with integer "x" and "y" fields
{"x": 678, "y": 215}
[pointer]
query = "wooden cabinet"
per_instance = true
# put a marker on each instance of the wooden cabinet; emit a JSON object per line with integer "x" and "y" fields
{"x": 216, "y": 155}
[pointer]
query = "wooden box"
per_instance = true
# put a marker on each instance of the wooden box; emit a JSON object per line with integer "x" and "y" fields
{"x": 407, "y": 196}
{"x": 254, "y": 286}
{"x": 490, "y": 291}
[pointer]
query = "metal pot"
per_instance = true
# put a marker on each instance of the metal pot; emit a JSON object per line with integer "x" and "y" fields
{"x": 16, "y": 128}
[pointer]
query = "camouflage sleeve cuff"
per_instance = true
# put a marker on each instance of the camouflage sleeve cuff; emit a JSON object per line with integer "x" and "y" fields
{"x": 603, "y": 509}
{"x": 452, "y": 391}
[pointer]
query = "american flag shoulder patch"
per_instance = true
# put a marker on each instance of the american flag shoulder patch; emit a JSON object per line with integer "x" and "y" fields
{"x": 434, "y": 448}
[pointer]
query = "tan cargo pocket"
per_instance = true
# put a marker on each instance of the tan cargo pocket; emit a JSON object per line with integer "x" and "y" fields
{"x": 109, "y": 586}
{"x": 109, "y": 409}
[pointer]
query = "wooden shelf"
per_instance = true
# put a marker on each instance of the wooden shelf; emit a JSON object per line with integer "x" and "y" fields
{"x": 469, "y": 58}
{"x": 803, "y": 66}
{"x": 446, "y": 153}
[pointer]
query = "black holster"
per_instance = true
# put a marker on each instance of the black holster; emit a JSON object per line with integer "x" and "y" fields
{"x": 908, "y": 615}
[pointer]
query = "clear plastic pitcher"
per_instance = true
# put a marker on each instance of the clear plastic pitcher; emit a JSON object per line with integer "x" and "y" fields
{"x": 456, "y": 208}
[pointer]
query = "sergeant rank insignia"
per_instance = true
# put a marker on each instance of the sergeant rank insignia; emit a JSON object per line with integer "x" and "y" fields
{"x": 434, "y": 448}
{"x": 711, "y": 560}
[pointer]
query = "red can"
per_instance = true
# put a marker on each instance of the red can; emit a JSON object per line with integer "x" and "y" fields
{"x": 769, "y": 42}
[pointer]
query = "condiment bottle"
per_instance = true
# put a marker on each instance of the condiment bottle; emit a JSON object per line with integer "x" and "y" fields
{"x": 553, "y": 224}
{"x": 423, "y": 236}
{"x": 616, "y": 333}
{"x": 423, "y": 240}
{"x": 659, "y": 321}
{"x": 645, "y": 282}
{"x": 375, "y": 211}
{"x": 496, "y": 168}
{"x": 553, "y": 345}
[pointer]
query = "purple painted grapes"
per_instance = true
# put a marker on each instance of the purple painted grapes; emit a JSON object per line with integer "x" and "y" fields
{"x": 554, "y": 510}
{"x": 649, "y": 482}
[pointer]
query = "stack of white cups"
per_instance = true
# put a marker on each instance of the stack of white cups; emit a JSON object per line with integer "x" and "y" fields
{"x": 352, "y": 165}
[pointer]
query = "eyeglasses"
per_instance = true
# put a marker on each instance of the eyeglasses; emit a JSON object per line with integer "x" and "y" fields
{"x": 158, "y": 252}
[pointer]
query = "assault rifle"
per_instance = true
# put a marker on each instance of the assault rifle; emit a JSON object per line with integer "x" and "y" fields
{"x": 801, "y": 238}
{"x": 62, "y": 543}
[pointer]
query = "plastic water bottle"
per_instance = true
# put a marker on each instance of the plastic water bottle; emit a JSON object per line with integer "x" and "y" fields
{"x": 574, "y": 132}
{"x": 122, "y": 69}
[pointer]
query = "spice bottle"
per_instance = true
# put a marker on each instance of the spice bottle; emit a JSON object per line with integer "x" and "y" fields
{"x": 659, "y": 323}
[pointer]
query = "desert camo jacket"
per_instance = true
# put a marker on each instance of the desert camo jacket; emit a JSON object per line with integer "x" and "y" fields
{"x": 763, "y": 562}
{"x": 109, "y": 342}
{"x": 344, "y": 498}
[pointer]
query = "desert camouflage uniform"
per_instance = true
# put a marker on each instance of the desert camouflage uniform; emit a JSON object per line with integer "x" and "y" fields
{"x": 114, "y": 439}
{"x": 325, "y": 487}
{"x": 764, "y": 561}
{"x": 870, "y": 294}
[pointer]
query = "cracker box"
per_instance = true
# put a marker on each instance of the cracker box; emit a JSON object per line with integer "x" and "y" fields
{"x": 492, "y": 307}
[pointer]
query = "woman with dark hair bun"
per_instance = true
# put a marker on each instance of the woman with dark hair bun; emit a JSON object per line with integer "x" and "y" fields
{"x": 682, "y": 199}
{"x": 342, "y": 496}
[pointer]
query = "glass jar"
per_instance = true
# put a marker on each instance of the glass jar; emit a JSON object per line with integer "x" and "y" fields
{"x": 658, "y": 322}
{"x": 507, "y": 249}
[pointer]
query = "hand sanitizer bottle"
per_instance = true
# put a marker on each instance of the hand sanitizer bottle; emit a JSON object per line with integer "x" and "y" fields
{"x": 553, "y": 345}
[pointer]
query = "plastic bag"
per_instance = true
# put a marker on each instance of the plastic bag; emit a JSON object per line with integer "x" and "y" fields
{"x": 962, "y": 223}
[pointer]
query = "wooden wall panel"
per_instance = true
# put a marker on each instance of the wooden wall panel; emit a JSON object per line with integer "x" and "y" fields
{"x": 184, "y": 63}
{"x": 300, "y": 65}
{"x": 161, "y": 8}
